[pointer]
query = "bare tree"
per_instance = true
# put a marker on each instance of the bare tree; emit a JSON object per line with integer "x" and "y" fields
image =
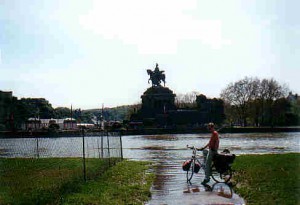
{"x": 187, "y": 100}
{"x": 271, "y": 90}
{"x": 238, "y": 94}
{"x": 253, "y": 99}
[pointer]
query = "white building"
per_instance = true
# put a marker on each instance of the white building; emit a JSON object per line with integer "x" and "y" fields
{"x": 40, "y": 124}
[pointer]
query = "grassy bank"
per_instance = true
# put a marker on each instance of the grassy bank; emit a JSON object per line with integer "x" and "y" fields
{"x": 126, "y": 183}
{"x": 268, "y": 179}
{"x": 43, "y": 180}
{"x": 60, "y": 180}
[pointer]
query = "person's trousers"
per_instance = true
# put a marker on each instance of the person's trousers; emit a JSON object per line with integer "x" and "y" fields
{"x": 208, "y": 157}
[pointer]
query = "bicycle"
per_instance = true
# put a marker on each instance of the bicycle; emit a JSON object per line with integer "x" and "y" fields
{"x": 190, "y": 166}
{"x": 221, "y": 170}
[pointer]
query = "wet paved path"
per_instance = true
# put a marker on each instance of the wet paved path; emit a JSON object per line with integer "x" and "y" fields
{"x": 170, "y": 186}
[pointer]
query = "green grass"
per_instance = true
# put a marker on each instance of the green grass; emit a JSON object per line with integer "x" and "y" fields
{"x": 268, "y": 179}
{"x": 126, "y": 183}
{"x": 60, "y": 181}
{"x": 41, "y": 181}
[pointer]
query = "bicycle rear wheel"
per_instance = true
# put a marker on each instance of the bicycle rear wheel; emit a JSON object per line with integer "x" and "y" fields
{"x": 221, "y": 177}
{"x": 190, "y": 172}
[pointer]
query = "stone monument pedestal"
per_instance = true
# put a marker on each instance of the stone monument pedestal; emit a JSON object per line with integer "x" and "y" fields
{"x": 157, "y": 100}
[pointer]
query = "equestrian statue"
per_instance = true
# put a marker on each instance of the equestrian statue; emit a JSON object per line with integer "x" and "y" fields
{"x": 156, "y": 76}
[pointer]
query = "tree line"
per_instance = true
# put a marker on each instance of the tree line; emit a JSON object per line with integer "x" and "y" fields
{"x": 252, "y": 102}
{"x": 20, "y": 110}
{"x": 260, "y": 102}
{"x": 247, "y": 102}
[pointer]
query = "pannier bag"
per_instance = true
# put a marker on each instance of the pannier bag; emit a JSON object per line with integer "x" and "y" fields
{"x": 186, "y": 165}
{"x": 223, "y": 161}
{"x": 197, "y": 167}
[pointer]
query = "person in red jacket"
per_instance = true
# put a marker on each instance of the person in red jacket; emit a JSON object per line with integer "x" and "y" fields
{"x": 213, "y": 146}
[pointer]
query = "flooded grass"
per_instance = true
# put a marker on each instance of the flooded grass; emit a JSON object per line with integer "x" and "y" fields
{"x": 268, "y": 179}
{"x": 128, "y": 182}
{"x": 60, "y": 181}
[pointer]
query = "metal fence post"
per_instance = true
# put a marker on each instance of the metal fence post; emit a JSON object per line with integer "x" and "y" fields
{"x": 98, "y": 147}
{"x": 108, "y": 149}
{"x": 83, "y": 155}
{"x": 102, "y": 135}
{"x": 37, "y": 148}
{"x": 121, "y": 145}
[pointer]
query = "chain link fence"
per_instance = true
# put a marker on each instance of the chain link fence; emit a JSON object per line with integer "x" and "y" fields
{"x": 51, "y": 166}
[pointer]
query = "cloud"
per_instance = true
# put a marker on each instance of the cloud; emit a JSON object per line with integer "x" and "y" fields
{"x": 155, "y": 27}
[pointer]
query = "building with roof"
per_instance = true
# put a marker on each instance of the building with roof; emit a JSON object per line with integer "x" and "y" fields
{"x": 44, "y": 124}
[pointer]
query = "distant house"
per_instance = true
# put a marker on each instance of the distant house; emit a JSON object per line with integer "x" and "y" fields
{"x": 86, "y": 125}
{"x": 32, "y": 124}
{"x": 40, "y": 124}
{"x": 69, "y": 124}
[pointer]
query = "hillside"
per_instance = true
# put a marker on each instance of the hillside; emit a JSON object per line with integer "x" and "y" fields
{"x": 119, "y": 113}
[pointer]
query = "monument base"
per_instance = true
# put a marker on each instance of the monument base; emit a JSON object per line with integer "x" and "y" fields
{"x": 157, "y": 100}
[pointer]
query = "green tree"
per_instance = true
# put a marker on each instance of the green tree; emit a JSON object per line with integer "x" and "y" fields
{"x": 37, "y": 107}
{"x": 270, "y": 91}
{"x": 281, "y": 108}
{"x": 62, "y": 112}
{"x": 31, "y": 108}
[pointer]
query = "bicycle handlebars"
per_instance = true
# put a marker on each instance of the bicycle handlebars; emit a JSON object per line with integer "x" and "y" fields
{"x": 193, "y": 147}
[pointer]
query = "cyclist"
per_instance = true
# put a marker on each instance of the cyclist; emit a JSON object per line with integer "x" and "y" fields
{"x": 213, "y": 146}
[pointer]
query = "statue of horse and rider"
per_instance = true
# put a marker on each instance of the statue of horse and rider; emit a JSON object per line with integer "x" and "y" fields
{"x": 156, "y": 76}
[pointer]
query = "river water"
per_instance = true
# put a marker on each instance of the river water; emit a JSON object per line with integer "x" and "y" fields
{"x": 167, "y": 152}
{"x": 145, "y": 146}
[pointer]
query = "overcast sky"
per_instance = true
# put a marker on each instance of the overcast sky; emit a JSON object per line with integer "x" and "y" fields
{"x": 86, "y": 53}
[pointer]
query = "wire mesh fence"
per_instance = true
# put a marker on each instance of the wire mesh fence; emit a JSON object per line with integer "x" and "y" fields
{"x": 96, "y": 145}
{"x": 42, "y": 169}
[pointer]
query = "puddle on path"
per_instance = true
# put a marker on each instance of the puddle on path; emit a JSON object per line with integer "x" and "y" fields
{"x": 170, "y": 186}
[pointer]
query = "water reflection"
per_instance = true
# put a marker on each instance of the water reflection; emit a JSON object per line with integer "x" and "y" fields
{"x": 222, "y": 189}
{"x": 217, "y": 189}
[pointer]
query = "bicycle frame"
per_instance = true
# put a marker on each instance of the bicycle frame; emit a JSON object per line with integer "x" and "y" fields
{"x": 216, "y": 176}
{"x": 194, "y": 160}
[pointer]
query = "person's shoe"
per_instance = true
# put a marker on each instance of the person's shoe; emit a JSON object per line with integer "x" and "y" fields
{"x": 205, "y": 181}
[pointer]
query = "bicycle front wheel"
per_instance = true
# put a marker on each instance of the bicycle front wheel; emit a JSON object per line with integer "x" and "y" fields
{"x": 221, "y": 177}
{"x": 190, "y": 172}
